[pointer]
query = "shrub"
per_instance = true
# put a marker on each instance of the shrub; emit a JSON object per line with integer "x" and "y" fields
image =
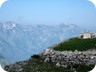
{"x": 35, "y": 56}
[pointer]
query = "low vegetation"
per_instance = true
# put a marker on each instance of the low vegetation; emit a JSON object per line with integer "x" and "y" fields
{"x": 76, "y": 44}
{"x": 37, "y": 65}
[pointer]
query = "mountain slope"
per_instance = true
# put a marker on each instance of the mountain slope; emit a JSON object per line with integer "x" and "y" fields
{"x": 65, "y": 59}
{"x": 19, "y": 42}
{"x": 76, "y": 44}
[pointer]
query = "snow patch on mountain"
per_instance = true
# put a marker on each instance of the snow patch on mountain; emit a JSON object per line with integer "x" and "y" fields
{"x": 9, "y": 25}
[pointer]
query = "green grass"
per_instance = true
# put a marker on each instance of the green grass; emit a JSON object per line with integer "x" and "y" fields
{"x": 76, "y": 44}
{"x": 37, "y": 65}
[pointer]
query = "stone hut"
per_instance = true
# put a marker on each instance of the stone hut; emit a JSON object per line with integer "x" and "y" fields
{"x": 87, "y": 35}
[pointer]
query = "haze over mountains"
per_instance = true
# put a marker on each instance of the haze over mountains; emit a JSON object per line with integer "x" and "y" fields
{"x": 19, "y": 42}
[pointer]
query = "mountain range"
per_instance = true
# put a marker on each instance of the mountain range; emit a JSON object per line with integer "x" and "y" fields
{"x": 18, "y": 42}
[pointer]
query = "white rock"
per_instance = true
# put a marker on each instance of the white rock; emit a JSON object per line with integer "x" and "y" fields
{"x": 58, "y": 64}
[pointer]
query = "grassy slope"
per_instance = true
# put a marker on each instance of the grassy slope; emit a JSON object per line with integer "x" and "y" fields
{"x": 37, "y": 65}
{"x": 76, "y": 44}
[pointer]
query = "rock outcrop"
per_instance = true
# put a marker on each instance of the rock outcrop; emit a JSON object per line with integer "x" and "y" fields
{"x": 70, "y": 58}
{"x": 63, "y": 60}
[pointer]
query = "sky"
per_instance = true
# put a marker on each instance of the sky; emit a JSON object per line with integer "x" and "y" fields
{"x": 50, "y": 12}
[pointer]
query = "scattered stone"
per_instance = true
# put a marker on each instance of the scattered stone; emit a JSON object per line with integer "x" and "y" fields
{"x": 58, "y": 64}
{"x": 70, "y": 58}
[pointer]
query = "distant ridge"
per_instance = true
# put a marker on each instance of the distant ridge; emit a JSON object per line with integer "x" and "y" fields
{"x": 18, "y": 42}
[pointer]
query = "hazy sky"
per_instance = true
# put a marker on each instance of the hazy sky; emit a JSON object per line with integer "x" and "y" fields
{"x": 79, "y": 12}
